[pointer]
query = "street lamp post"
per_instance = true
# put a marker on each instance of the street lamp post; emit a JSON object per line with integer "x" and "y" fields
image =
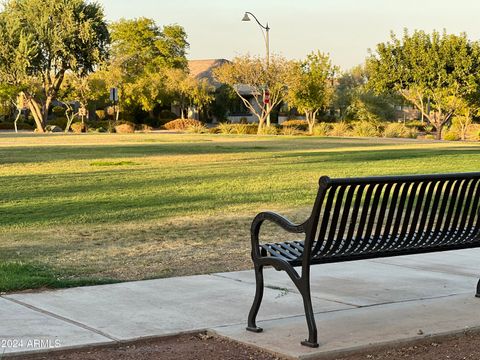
{"x": 266, "y": 36}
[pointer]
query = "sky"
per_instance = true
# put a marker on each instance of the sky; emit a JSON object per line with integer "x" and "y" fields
{"x": 345, "y": 29}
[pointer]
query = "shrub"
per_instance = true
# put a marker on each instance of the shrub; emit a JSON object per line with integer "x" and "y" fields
{"x": 79, "y": 127}
{"x": 365, "y": 129}
{"x": 413, "y": 134}
{"x": 321, "y": 129}
{"x": 108, "y": 125}
{"x": 239, "y": 129}
{"x": 100, "y": 114}
{"x": 145, "y": 128}
{"x": 97, "y": 130}
{"x": 61, "y": 122}
{"x": 214, "y": 130}
{"x": 340, "y": 129}
{"x": 429, "y": 137}
{"x": 197, "y": 129}
{"x": 181, "y": 124}
{"x": 225, "y": 128}
{"x": 428, "y": 128}
{"x": 451, "y": 135}
{"x": 271, "y": 130}
{"x": 125, "y": 127}
{"x": 414, "y": 123}
{"x": 290, "y": 130}
{"x": 246, "y": 129}
{"x": 20, "y": 126}
{"x": 473, "y": 132}
{"x": 418, "y": 125}
{"x": 297, "y": 124}
{"x": 7, "y": 126}
{"x": 58, "y": 110}
{"x": 397, "y": 130}
{"x": 461, "y": 126}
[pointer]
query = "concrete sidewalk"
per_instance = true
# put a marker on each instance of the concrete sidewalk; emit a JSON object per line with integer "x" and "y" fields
{"x": 357, "y": 304}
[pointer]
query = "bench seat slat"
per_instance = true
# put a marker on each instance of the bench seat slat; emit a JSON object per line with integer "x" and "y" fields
{"x": 296, "y": 248}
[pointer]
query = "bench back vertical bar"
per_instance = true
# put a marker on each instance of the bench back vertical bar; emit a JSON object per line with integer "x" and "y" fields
{"x": 304, "y": 283}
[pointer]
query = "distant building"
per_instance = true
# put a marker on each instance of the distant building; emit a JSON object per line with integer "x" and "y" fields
{"x": 407, "y": 112}
{"x": 203, "y": 69}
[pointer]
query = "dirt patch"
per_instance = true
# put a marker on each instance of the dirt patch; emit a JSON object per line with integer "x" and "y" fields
{"x": 459, "y": 347}
{"x": 202, "y": 346}
{"x": 184, "y": 347}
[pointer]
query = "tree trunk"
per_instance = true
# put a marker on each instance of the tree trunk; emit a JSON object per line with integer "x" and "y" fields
{"x": 16, "y": 120}
{"x": 261, "y": 125}
{"x": 310, "y": 128}
{"x": 310, "y": 121}
{"x": 464, "y": 130}
{"x": 48, "y": 102}
{"x": 70, "y": 117}
{"x": 439, "y": 128}
{"x": 268, "y": 115}
{"x": 36, "y": 110}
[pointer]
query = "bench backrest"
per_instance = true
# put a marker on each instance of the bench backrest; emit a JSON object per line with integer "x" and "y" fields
{"x": 359, "y": 216}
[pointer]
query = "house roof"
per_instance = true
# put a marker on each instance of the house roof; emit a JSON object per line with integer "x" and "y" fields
{"x": 203, "y": 69}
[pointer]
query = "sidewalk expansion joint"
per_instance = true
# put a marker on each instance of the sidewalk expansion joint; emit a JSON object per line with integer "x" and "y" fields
{"x": 62, "y": 318}
{"x": 400, "y": 301}
{"x": 229, "y": 278}
{"x": 339, "y": 310}
{"x": 295, "y": 291}
{"x": 284, "y": 290}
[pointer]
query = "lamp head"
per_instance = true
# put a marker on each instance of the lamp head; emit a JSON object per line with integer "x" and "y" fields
{"x": 246, "y": 17}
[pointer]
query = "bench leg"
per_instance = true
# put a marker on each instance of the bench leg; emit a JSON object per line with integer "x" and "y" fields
{"x": 252, "y": 316}
{"x": 478, "y": 290}
{"x": 312, "y": 327}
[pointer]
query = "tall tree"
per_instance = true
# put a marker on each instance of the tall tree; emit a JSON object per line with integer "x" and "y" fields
{"x": 348, "y": 87}
{"x": 356, "y": 101}
{"x": 138, "y": 43}
{"x": 250, "y": 77}
{"x": 463, "y": 118}
{"x": 311, "y": 85}
{"x": 187, "y": 91}
{"x": 76, "y": 90}
{"x": 432, "y": 71}
{"x": 41, "y": 40}
{"x": 10, "y": 99}
{"x": 141, "y": 54}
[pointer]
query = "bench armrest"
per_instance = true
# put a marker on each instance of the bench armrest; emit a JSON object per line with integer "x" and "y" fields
{"x": 281, "y": 221}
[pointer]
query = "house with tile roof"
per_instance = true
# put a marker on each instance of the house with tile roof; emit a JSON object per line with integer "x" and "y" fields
{"x": 203, "y": 69}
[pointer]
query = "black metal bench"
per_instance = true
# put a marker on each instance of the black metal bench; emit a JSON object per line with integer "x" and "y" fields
{"x": 364, "y": 218}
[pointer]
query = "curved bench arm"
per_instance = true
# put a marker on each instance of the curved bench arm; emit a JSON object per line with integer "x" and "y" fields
{"x": 281, "y": 221}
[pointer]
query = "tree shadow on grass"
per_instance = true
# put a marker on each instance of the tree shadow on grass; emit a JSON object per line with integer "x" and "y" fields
{"x": 371, "y": 155}
{"x": 47, "y": 153}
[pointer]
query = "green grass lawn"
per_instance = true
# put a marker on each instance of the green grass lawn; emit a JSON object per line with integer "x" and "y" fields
{"x": 82, "y": 209}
